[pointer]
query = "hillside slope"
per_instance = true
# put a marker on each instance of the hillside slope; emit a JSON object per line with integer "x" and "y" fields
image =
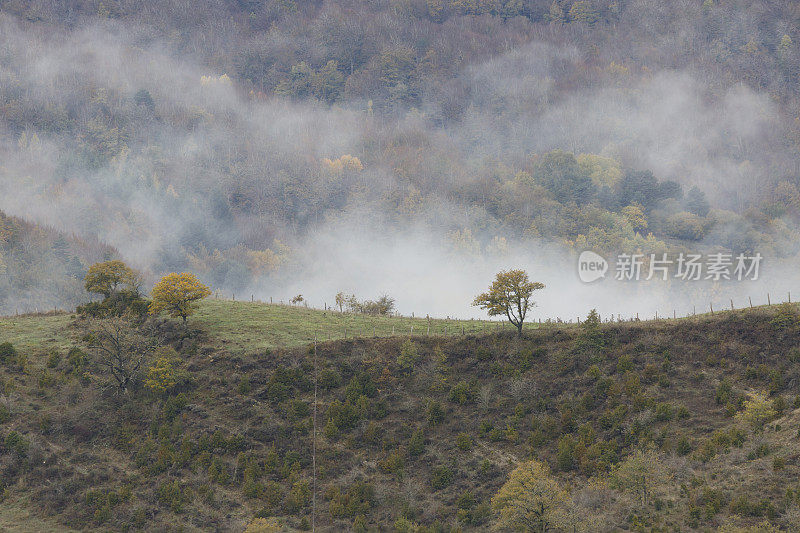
{"x": 41, "y": 268}
{"x": 415, "y": 433}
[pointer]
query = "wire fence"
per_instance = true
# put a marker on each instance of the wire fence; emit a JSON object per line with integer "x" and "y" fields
{"x": 453, "y": 326}
{"x": 347, "y": 324}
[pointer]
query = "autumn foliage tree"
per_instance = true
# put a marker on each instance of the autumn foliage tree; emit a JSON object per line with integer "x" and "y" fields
{"x": 509, "y": 295}
{"x": 177, "y": 294}
{"x": 642, "y": 473}
{"x": 110, "y": 277}
{"x": 120, "y": 287}
{"x": 531, "y": 500}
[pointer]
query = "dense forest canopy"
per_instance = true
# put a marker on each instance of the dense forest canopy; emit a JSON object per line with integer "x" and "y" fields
{"x": 240, "y": 139}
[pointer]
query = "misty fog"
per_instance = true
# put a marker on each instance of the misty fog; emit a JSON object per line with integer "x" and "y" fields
{"x": 162, "y": 194}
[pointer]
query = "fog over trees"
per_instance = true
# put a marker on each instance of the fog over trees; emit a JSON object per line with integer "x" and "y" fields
{"x": 256, "y": 143}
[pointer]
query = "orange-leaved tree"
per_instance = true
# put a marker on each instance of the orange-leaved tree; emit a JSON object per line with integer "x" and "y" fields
{"x": 177, "y": 294}
{"x": 509, "y": 295}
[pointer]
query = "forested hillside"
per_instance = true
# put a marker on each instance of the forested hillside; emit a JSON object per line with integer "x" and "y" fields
{"x": 685, "y": 425}
{"x": 240, "y": 139}
{"x": 42, "y": 269}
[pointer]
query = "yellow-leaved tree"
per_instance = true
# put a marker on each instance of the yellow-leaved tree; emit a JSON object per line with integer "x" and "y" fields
{"x": 509, "y": 295}
{"x": 758, "y": 410}
{"x": 531, "y": 500}
{"x": 160, "y": 375}
{"x": 634, "y": 214}
{"x": 177, "y": 294}
{"x": 110, "y": 277}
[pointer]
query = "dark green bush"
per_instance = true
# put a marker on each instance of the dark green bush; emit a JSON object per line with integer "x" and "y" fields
{"x": 77, "y": 359}
{"x": 170, "y": 494}
{"x": 683, "y": 447}
{"x": 465, "y": 501}
{"x": 329, "y": 379}
{"x": 358, "y": 499}
{"x": 345, "y": 416}
{"x": 244, "y": 386}
{"x": 464, "y": 442}
{"x": 624, "y": 364}
{"x": 219, "y": 472}
{"x": 565, "y": 457}
{"x": 712, "y": 501}
{"x": 8, "y": 354}
{"x": 54, "y": 359}
{"x": 762, "y": 450}
{"x": 664, "y": 412}
{"x": 16, "y": 444}
{"x": 434, "y": 412}
{"x": 416, "y": 445}
{"x": 360, "y": 385}
{"x": 746, "y": 506}
{"x": 298, "y": 409}
{"x": 282, "y": 383}
{"x": 461, "y": 393}
{"x": 483, "y": 354}
{"x": 392, "y": 463}
{"x": 118, "y": 304}
{"x": 441, "y": 477}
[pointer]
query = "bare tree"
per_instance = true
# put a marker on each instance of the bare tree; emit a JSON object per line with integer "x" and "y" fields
{"x": 120, "y": 348}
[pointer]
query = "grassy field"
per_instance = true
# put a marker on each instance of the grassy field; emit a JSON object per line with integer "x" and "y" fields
{"x": 253, "y": 326}
{"x": 246, "y": 326}
{"x": 257, "y": 326}
{"x": 37, "y": 332}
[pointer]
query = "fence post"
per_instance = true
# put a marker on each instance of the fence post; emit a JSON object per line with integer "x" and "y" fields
{"x": 768, "y": 301}
{"x": 731, "y": 304}
{"x": 712, "y": 307}
{"x": 751, "y": 301}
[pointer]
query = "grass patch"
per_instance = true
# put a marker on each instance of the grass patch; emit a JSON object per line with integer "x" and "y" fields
{"x": 37, "y": 332}
{"x": 256, "y": 326}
